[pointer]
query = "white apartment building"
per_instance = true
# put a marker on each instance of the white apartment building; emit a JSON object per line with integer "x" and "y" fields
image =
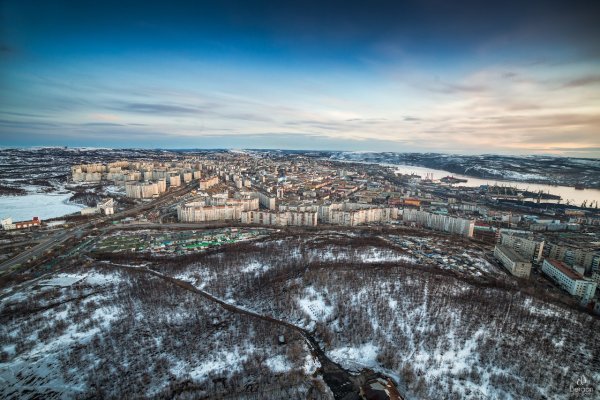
{"x": 207, "y": 183}
{"x": 524, "y": 244}
{"x": 514, "y": 262}
{"x": 569, "y": 280}
{"x": 283, "y": 218}
{"x": 215, "y": 209}
{"x": 363, "y": 216}
{"x": 144, "y": 190}
{"x": 266, "y": 200}
{"x": 438, "y": 222}
{"x": 174, "y": 180}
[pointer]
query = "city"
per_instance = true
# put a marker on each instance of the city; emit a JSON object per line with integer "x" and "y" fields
{"x": 211, "y": 222}
{"x": 316, "y": 200}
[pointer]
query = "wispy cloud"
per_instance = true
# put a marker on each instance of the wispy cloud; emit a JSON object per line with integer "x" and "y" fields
{"x": 583, "y": 81}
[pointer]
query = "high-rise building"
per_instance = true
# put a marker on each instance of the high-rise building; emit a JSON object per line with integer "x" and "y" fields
{"x": 569, "y": 280}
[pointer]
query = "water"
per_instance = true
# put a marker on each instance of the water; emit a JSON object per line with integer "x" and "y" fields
{"x": 568, "y": 193}
{"x": 44, "y": 206}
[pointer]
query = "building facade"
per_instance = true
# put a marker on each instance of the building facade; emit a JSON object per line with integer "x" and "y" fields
{"x": 514, "y": 262}
{"x": 282, "y": 218}
{"x": 207, "y": 183}
{"x": 215, "y": 209}
{"x": 569, "y": 280}
{"x": 525, "y": 244}
{"x": 145, "y": 190}
{"x": 438, "y": 222}
{"x": 571, "y": 255}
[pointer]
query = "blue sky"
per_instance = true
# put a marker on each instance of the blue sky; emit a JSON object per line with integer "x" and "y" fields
{"x": 382, "y": 75}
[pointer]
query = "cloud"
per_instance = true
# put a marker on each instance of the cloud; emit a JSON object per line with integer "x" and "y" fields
{"x": 583, "y": 81}
{"x": 455, "y": 88}
{"x": 163, "y": 109}
{"x": 101, "y": 124}
{"x": 366, "y": 120}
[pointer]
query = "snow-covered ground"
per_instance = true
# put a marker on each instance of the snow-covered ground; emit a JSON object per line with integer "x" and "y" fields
{"x": 441, "y": 336}
{"x": 109, "y": 333}
{"x": 44, "y": 206}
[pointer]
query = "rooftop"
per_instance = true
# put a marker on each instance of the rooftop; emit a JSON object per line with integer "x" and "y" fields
{"x": 564, "y": 268}
{"x": 510, "y": 253}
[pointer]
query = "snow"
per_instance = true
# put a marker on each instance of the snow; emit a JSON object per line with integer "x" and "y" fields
{"x": 369, "y": 255}
{"x": 311, "y": 364}
{"x": 279, "y": 363}
{"x": 44, "y": 206}
{"x": 62, "y": 281}
{"x": 256, "y": 267}
{"x": 365, "y": 355}
{"x": 223, "y": 361}
{"x": 92, "y": 278}
{"x": 96, "y": 278}
{"x": 198, "y": 276}
{"x": 114, "y": 189}
{"x": 314, "y": 305}
{"x": 39, "y": 363}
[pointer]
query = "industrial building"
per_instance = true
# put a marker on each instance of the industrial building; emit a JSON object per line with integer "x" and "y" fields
{"x": 8, "y": 224}
{"x": 105, "y": 207}
{"x": 569, "y": 280}
{"x": 514, "y": 262}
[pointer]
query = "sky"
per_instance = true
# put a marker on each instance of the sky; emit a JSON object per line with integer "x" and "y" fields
{"x": 471, "y": 77}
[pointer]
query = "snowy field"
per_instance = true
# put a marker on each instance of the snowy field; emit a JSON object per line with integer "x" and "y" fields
{"x": 44, "y": 206}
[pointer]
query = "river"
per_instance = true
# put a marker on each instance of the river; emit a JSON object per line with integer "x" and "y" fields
{"x": 568, "y": 193}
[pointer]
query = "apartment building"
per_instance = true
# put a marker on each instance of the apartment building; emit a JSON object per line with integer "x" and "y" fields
{"x": 363, "y": 216}
{"x": 207, "y": 183}
{"x": 514, "y": 262}
{"x": 523, "y": 243}
{"x": 145, "y": 190}
{"x": 283, "y": 218}
{"x": 571, "y": 254}
{"x": 215, "y": 209}
{"x": 439, "y": 222}
{"x": 569, "y": 280}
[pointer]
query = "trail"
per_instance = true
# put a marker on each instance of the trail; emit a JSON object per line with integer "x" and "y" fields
{"x": 342, "y": 384}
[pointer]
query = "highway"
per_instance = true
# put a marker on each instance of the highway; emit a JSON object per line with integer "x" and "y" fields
{"x": 79, "y": 230}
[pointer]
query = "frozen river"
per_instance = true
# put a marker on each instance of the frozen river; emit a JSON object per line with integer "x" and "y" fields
{"x": 40, "y": 205}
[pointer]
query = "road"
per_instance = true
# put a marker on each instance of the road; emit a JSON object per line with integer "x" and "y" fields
{"x": 79, "y": 230}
